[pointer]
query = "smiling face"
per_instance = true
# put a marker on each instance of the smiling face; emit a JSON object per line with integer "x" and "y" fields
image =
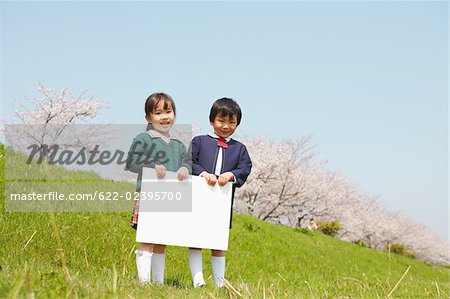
{"x": 224, "y": 126}
{"x": 162, "y": 119}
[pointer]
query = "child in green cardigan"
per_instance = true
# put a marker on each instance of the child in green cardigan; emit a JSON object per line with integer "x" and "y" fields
{"x": 160, "y": 114}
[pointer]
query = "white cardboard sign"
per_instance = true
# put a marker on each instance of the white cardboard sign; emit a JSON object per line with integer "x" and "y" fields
{"x": 207, "y": 226}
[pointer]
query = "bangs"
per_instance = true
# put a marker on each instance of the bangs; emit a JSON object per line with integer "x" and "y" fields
{"x": 226, "y": 111}
{"x": 167, "y": 104}
{"x": 154, "y": 100}
{"x": 225, "y": 107}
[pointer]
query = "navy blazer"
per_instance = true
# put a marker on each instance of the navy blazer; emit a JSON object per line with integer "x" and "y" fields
{"x": 235, "y": 158}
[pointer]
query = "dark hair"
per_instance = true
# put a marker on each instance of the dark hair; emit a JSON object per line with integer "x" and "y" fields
{"x": 154, "y": 99}
{"x": 225, "y": 107}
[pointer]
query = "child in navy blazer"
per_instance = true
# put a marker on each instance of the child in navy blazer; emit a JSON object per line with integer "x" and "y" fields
{"x": 219, "y": 159}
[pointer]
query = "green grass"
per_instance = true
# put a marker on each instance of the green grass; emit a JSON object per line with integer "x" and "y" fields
{"x": 92, "y": 255}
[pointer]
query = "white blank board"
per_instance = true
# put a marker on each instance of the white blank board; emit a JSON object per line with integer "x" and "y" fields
{"x": 207, "y": 226}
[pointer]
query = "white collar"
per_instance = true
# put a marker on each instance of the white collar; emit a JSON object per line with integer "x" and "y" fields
{"x": 214, "y": 135}
{"x": 155, "y": 134}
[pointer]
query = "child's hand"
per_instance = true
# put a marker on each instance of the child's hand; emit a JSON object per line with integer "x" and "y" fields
{"x": 182, "y": 172}
{"x": 210, "y": 178}
{"x": 160, "y": 171}
{"x": 225, "y": 178}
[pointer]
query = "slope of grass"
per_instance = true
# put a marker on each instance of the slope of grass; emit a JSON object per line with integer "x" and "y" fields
{"x": 92, "y": 255}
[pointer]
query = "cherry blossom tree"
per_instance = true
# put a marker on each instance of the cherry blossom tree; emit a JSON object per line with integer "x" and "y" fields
{"x": 279, "y": 177}
{"x": 289, "y": 185}
{"x": 50, "y": 119}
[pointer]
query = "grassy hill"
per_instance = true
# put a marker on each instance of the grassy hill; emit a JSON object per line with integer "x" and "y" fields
{"x": 92, "y": 255}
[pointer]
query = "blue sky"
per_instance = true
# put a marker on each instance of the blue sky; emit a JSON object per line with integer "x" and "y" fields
{"x": 368, "y": 80}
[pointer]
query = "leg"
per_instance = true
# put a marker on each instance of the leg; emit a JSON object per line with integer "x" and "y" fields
{"x": 218, "y": 267}
{"x": 144, "y": 261}
{"x": 196, "y": 266}
{"x": 217, "y": 252}
{"x": 146, "y": 247}
{"x": 158, "y": 263}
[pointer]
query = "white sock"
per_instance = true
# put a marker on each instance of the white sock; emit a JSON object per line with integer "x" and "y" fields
{"x": 158, "y": 265}
{"x": 218, "y": 270}
{"x": 143, "y": 262}
{"x": 196, "y": 266}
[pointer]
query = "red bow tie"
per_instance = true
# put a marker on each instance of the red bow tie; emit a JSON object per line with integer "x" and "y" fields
{"x": 222, "y": 142}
